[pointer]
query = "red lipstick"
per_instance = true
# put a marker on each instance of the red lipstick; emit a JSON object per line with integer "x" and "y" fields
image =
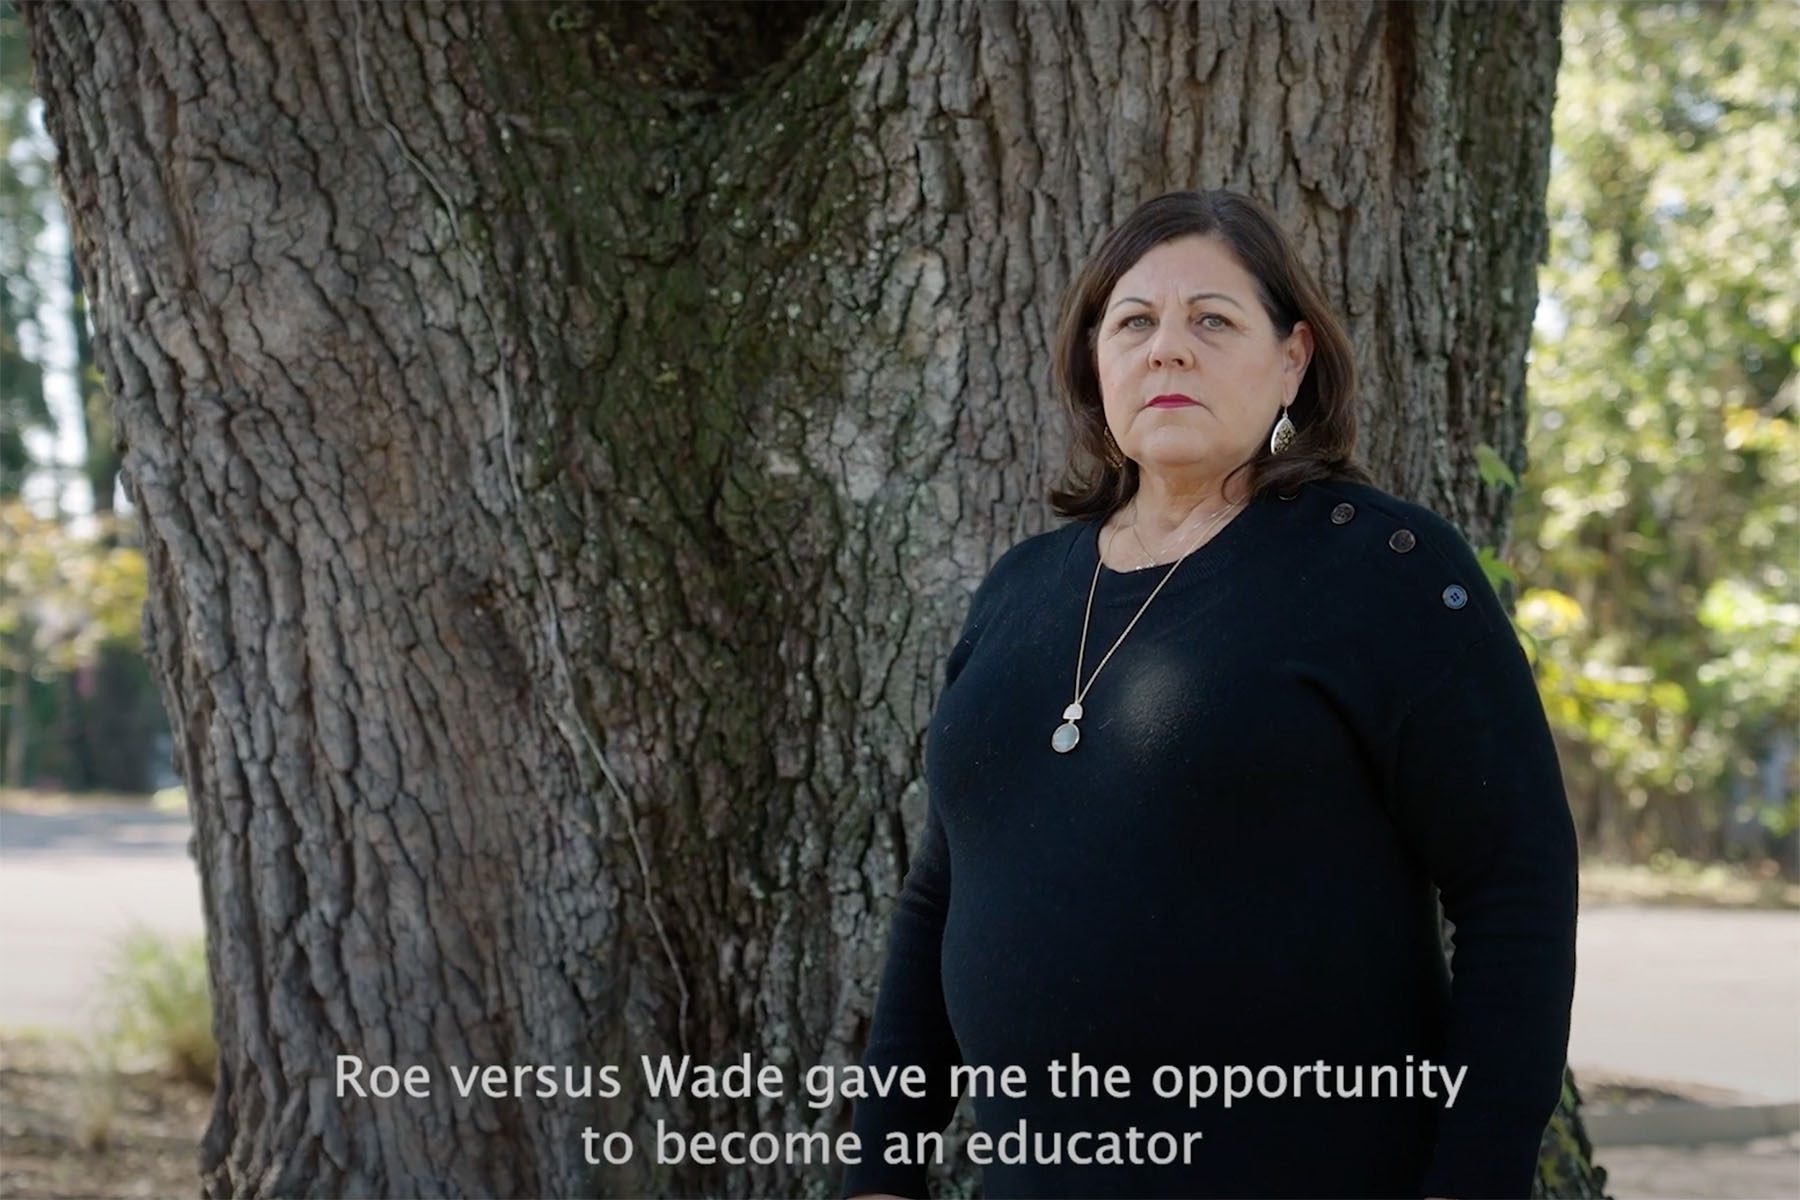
{"x": 1172, "y": 400}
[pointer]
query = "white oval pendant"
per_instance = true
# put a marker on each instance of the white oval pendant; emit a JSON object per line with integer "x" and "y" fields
{"x": 1065, "y": 737}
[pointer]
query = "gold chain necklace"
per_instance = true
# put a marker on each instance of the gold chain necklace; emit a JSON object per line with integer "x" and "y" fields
{"x": 1067, "y": 734}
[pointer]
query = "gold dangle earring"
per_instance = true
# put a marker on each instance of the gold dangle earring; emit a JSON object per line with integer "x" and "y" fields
{"x": 1283, "y": 435}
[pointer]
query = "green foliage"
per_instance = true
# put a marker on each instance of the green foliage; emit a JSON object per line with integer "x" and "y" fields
{"x": 1494, "y": 473}
{"x": 27, "y": 194}
{"x": 1497, "y": 571}
{"x": 157, "y": 1006}
{"x": 1493, "y": 468}
{"x": 63, "y": 594}
{"x": 1661, "y": 511}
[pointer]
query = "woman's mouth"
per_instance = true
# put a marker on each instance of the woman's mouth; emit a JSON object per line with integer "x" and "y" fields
{"x": 1172, "y": 400}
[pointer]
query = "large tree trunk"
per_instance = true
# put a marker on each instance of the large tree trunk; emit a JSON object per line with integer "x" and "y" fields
{"x": 567, "y": 437}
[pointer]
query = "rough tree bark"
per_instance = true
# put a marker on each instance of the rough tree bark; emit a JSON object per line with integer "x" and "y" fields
{"x": 567, "y": 437}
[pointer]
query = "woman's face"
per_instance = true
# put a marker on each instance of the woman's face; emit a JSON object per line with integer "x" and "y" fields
{"x": 1185, "y": 319}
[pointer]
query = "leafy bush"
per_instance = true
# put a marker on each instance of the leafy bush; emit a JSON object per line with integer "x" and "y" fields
{"x": 157, "y": 1007}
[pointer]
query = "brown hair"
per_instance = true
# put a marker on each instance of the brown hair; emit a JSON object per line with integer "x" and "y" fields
{"x": 1324, "y": 408}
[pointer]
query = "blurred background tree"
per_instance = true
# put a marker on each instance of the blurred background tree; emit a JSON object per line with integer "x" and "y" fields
{"x": 1657, "y": 525}
{"x": 78, "y": 706}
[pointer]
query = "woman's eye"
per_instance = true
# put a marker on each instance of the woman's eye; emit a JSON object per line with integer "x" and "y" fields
{"x": 1204, "y": 317}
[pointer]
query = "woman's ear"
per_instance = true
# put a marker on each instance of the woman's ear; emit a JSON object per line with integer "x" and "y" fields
{"x": 1300, "y": 347}
{"x": 1298, "y": 350}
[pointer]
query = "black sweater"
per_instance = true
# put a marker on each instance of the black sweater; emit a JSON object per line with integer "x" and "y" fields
{"x": 1322, "y": 715}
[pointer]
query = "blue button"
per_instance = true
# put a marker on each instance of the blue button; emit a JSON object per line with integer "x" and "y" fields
{"x": 1455, "y": 596}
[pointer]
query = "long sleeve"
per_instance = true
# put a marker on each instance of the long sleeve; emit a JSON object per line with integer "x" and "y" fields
{"x": 1475, "y": 783}
{"x": 910, "y": 1025}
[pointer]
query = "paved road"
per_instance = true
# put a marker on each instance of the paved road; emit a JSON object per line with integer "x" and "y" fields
{"x": 1700, "y": 996}
{"x": 1707, "y": 996}
{"x": 70, "y": 884}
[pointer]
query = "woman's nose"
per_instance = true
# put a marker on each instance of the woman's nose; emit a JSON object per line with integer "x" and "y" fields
{"x": 1169, "y": 348}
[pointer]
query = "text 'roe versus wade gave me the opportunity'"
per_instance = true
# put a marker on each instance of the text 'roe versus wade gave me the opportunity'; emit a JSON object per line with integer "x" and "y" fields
{"x": 825, "y": 1084}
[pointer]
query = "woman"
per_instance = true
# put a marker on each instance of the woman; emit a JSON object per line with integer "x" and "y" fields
{"x": 1201, "y": 757}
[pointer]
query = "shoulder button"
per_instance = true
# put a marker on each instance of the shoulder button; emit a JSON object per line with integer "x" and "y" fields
{"x": 1342, "y": 513}
{"x": 1455, "y": 596}
{"x": 1402, "y": 541}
